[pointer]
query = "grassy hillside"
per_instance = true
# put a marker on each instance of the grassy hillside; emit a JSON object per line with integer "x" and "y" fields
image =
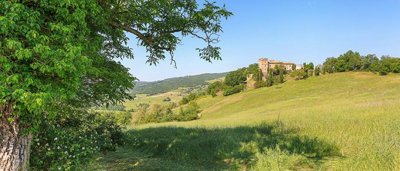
{"x": 343, "y": 121}
{"x": 155, "y": 99}
{"x": 171, "y": 84}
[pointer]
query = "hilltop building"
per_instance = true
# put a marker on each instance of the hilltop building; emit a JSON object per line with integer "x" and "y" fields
{"x": 265, "y": 64}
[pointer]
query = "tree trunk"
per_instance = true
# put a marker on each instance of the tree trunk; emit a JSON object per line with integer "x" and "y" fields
{"x": 14, "y": 147}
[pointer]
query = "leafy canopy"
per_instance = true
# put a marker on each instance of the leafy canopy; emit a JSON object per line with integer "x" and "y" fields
{"x": 63, "y": 52}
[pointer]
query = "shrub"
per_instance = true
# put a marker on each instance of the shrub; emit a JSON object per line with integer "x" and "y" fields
{"x": 189, "y": 113}
{"x": 121, "y": 118}
{"x": 299, "y": 74}
{"x": 72, "y": 139}
{"x": 215, "y": 87}
{"x": 233, "y": 90}
{"x": 188, "y": 98}
{"x": 260, "y": 84}
{"x": 163, "y": 113}
{"x": 191, "y": 97}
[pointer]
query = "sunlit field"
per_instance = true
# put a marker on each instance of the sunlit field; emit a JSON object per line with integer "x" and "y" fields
{"x": 343, "y": 121}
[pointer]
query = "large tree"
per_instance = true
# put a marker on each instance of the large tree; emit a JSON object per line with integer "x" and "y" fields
{"x": 62, "y": 52}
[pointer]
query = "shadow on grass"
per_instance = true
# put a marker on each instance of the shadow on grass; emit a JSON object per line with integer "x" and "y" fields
{"x": 221, "y": 148}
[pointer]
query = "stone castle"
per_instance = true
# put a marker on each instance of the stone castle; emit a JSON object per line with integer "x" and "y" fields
{"x": 265, "y": 64}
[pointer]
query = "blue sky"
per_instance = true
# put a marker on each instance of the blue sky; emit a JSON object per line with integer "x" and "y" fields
{"x": 288, "y": 30}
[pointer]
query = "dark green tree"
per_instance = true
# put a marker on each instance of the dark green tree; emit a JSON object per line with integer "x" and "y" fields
{"x": 270, "y": 79}
{"x": 349, "y": 61}
{"x": 329, "y": 65}
{"x": 368, "y": 61}
{"x": 299, "y": 74}
{"x": 236, "y": 77}
{"x": 62, "y": 53}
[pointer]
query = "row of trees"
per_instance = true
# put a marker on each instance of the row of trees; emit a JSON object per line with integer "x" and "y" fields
{"x": 306, "y": 71}
{"x": 164, "y": 113}
{"x": 353, "y": 61}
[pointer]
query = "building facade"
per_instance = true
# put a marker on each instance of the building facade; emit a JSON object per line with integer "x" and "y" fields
{"x": 265, "y": 64}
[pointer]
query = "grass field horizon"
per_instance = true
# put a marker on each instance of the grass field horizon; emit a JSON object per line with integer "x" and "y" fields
{"x": 341, "y": 121}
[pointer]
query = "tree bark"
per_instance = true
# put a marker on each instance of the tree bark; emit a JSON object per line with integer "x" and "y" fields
{"x": 14, "y": 147}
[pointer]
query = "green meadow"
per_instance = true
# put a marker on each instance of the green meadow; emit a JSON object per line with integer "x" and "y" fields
{"x": 343, "y": 121}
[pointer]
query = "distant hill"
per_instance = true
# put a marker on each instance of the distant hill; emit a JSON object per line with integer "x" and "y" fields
{"x": 170, "y": 84}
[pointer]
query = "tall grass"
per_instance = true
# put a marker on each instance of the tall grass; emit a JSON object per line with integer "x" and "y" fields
{"x": 343, "y": 121}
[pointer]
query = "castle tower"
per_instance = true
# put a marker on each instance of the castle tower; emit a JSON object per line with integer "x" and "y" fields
{"x": 263, "y": 64}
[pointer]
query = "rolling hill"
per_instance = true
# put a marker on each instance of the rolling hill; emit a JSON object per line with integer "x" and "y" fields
{"x": 342, "y": 121}
{"x": 170, "y": 84}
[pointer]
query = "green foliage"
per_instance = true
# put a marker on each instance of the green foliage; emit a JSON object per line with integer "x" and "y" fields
{"x": 157, "y": 87}
{"x": 233, "y": 90}
{"x": 299, "y": 74}
{"x": 189, "y": 112}
{"x": 275, "y": 76}
{"x": 254, "y": 70}
{"x": 236, "y": 77}
{"x": 389, "y": 64}
{"x": 329, "y": 65}
{"x": 215, "y": 87}
{"x": 260, "y": 84}
{"x": 114, "y": 107}
{"x": 349, "y": 61}
{"x": 368, "y": 62}
{"x": 352, "y": 61}
{"x": 191, "y": 97}
{"x": 63, "y": 52}
{"x": 164, "y": 113}
{"x": 120, "y": 117}
{"x": 309, "y": 66}
{"x": 73, "y": 138}
{"x": 270, "y": 79}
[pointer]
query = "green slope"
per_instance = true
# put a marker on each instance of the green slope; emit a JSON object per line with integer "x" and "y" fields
{"x": 343, "y": 121}
{"x": 171, "y": 84}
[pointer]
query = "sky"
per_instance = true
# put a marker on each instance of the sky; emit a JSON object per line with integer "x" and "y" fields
{"x": 288, "y": 30}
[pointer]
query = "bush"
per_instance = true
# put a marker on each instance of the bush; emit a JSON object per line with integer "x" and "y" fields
{"x": 260, "y": 84}
{"x": 233, "y": 90}
{"x": 191, "y": 97}
{"x": 116, "y": 107}
{"x": 72, "y": 139}
{"x": 299, "y": 74}
{"x": 156, "y": 113}
{"x": 215, "y": 87}
{"x": 163, "y": 113}
{"x": 121, "y": 118}
{"x": 189, "y": 113}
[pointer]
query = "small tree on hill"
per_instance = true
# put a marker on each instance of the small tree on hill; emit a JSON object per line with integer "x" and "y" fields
{"x": 299, "y": 74}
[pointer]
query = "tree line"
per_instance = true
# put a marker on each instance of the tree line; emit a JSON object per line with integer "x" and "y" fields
{"x": 353, "y": 61}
